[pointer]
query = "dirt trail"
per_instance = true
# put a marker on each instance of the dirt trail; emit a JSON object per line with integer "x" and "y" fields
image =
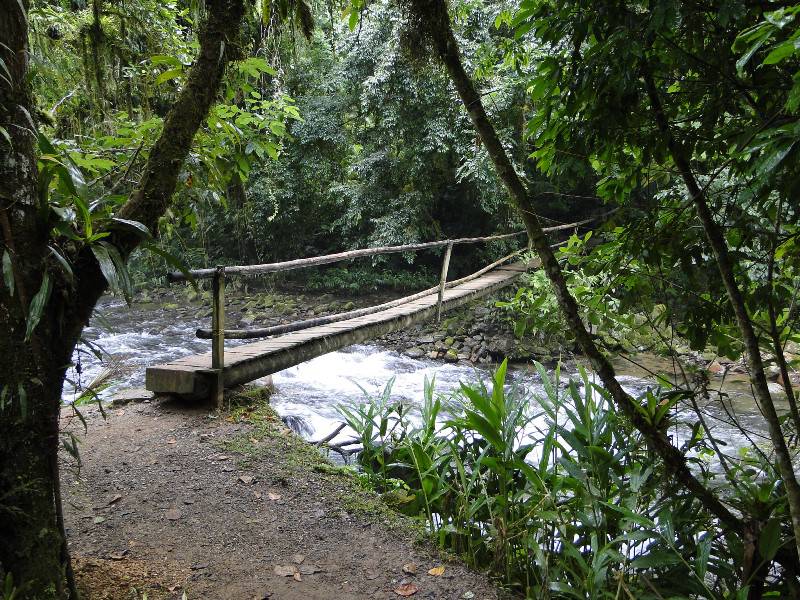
{"x": 172, "y": 499}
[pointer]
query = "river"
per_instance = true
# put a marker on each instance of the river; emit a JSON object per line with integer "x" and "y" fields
{"x": 307, "y": 395}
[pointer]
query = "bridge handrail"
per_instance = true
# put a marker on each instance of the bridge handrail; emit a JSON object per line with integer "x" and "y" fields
{"x": 249, "y": 334}
{"x": 218, "y": 275}
{"x": 301, "y": 263}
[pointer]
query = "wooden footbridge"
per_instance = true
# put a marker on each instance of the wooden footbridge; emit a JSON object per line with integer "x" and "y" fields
{"x": 293, "y": 343}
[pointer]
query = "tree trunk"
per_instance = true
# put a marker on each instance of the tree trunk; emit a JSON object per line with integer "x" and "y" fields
{"x": 32, "y": 367}
{"x": 431, "y": 16}
{"x": 31, "y": 541}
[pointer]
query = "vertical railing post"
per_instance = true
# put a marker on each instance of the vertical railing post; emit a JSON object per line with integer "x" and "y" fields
{"x": 443, "y": 279}
{"x": 218, "y": 335}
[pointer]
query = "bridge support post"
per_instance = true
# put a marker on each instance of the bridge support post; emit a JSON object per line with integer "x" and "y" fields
{"x": 443, "y": 279}
{"x": 218, "y": 335}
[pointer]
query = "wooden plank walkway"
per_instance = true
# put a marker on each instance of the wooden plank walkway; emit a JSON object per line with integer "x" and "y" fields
{"x": 193, "y": 375}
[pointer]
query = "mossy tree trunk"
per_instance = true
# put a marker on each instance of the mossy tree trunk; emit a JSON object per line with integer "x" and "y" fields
{"x": 33, "y": 363}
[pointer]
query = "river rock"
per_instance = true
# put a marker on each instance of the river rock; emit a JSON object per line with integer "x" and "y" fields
{"x": 415, "y": 352}
{"x": 451, "y": 355}
{"x": 715, "y": 368}
{"x": 773, "y": 372}
{"x": 132, "y": 395}
{"x": 426, "y": 339}
{"x": 504, "y": 344}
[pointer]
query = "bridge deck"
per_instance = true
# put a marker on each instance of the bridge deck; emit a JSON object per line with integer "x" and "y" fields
{"x": 192, "y": 375}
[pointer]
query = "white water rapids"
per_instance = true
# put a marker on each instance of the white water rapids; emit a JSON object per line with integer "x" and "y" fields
{"x": 307, "y": 394}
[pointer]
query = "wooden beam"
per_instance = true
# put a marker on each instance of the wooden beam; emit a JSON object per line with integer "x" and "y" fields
{"x": 218, "y": 336}
{"x": 443, "y": 280}
{"x": 301, "y": 263}
{"x": 249, "y": 334}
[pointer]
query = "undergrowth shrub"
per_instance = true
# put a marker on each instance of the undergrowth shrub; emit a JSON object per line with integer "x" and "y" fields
{"x": 559, "y": 495}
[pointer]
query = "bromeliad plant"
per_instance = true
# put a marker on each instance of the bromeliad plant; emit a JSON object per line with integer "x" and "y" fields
{"x": 560, "y": 496}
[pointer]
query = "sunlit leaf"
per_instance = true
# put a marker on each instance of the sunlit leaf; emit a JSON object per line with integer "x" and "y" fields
{"x": 37, "y": 305}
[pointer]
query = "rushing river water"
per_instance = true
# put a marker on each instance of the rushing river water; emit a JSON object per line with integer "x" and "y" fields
{"x": 307, "y": 394}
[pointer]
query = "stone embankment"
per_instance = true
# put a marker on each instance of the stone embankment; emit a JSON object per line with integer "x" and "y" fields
{"x": 478, "y": 333}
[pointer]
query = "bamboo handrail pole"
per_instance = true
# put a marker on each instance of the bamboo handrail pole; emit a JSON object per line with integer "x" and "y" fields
{"x": 443, "y": 280}
{"x": 218, "y": 335}
{"x": 301, "y": 263}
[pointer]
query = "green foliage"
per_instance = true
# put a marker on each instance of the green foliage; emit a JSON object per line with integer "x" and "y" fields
{"x": 9, "y": 591}
{"x": 381, "y": 156}
{"x": 368, "y": 279}
{"x": 560, "y": 496}
{"x": 725, "y": 82}
{"x": 620, "y": 318}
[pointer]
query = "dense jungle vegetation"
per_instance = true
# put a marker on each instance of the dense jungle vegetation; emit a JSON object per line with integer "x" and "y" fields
{"x": 138, "y": 136}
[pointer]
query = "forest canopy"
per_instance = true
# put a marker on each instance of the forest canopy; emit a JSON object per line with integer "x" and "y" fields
{"x": 141, "y": 136}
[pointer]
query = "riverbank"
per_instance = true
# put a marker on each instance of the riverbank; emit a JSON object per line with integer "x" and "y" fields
{"x": 171, "y": 498}
{"x": 160, "y": 327}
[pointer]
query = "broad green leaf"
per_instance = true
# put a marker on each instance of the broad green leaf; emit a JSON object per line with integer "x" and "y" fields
{"x": 703, "y": 554}
{"x": 107, "y": 266}
{"x": 36, "y": 308}
{"x": 134, "y": 226}
{"x": 163, "y": 59}
{"x": 488, "y": 432}
{"x": 76, "y": 178}
{"x": 168, "y": 75}
{"x": 656, "y": 559}
{"x": 63, "y": 262}
{"x": 125, "y": 283}
{"x": 742, "y": 62}
{"x": 770, "y": 539}
{"x": 780, "y": 52}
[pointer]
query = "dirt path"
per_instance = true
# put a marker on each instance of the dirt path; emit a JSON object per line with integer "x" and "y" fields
{"x": 171, "y": 500}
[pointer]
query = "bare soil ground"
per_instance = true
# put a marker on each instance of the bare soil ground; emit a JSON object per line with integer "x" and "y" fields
{"x": 172, "y": 499}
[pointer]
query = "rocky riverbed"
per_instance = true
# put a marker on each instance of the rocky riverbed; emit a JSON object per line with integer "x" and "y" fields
{"x": 160, "y": 327}
{"x": 478, "y": 333}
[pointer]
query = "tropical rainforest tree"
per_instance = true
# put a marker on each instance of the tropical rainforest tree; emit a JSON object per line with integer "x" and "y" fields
{"x": 615, "y": 111}
{"x": 686, "y": 106}
{"x": 57, "y": 261}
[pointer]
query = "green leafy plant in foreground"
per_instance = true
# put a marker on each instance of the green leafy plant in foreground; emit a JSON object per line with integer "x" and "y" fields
{"x": 560, "y": 497}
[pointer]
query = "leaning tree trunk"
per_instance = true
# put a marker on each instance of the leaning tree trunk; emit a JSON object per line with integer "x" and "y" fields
{"x": 33, "y": 361}
{"x": 432, "y": 18}
{"x": 726, "y": 265}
